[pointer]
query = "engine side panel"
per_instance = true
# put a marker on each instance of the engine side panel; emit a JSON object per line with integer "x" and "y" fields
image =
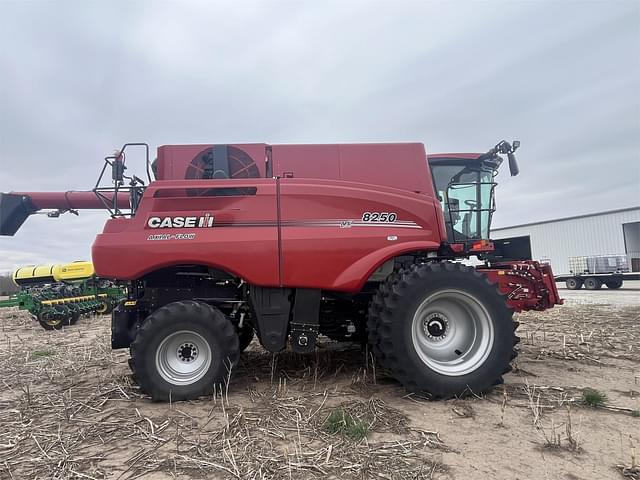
{"x": 327, "y": 235}
{"x": 333, "y": 236}
{"x": 241, "y": 238}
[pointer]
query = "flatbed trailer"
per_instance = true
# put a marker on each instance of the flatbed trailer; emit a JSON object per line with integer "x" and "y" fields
{"x": 595, "y": 281}
{"x": 594, "y": 271}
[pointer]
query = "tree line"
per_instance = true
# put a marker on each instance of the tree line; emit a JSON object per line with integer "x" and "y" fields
{"x": 7, "y": 287}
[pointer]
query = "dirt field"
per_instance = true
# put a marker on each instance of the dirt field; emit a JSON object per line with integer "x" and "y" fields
{"x": 70, "y": 409}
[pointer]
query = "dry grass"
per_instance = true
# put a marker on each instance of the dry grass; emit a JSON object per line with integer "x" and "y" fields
{"x": 69, "y": 409}
{"x": 75, "y": 412}
{"x": 632, "y": 470}
{"x": 593, "y": 333}
{"x": 557, "y": 439}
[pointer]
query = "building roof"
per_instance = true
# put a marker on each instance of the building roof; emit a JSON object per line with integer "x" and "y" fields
{"x": 596, "y": 214}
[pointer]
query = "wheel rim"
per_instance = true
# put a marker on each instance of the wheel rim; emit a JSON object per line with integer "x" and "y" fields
{"x": 102, "y": 308}
{"x": 183, "y": 357}
{"x": 452, "y": 332}
{"x": 51, "y": 320}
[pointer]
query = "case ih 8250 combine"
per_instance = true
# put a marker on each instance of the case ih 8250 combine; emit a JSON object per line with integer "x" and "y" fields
{"x": 357, "y": 242}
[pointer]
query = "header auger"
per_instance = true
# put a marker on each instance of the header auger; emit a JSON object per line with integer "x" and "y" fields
{"x": 357, "y": 242}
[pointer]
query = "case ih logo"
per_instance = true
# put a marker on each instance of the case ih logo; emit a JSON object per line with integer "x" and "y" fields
{"x": 181, "y": 222}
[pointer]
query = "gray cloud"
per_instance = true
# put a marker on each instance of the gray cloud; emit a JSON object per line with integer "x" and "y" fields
{"x": 77, "y": 79}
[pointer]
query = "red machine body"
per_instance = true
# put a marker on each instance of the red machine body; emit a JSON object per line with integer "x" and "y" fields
{"x": 301, "y": 233}
{"x": 360, "y": 243}
{"x": 302, "y": 225}
{"x": 289, "y": 215}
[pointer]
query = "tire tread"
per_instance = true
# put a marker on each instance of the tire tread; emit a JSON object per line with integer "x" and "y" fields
{"x": 381, "y": 320}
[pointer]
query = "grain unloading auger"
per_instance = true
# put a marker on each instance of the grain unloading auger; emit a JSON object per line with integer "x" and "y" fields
{"x": 16, "y": 207}
{"x": 357, "y": 242}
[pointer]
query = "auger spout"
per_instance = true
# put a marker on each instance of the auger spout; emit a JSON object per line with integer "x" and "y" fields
{"x": 16, "y": 207}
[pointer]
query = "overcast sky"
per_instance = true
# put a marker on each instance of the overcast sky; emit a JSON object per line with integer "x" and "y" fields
{"x": 78, "y": 79}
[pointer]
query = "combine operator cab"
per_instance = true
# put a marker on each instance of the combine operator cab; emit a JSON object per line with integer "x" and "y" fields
{"x": 465, "y": 186}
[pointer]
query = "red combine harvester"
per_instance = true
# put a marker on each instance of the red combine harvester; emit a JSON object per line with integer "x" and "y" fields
{"x": 358, "y": 242}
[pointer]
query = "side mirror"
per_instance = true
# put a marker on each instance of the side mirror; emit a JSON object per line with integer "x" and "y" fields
{"x": 513, "y": 163}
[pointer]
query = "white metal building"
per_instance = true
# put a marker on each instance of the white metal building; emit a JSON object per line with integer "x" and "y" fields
{"x": 603, "y": 233}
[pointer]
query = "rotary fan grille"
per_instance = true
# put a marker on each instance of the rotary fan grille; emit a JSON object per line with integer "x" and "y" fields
{"x": 241, "y": 165}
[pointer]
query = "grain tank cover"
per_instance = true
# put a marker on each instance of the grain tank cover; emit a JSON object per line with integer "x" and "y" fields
{"x": 396, "y": 165}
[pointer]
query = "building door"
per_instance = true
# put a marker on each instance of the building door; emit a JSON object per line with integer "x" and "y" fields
{"x": 631, "y": 232}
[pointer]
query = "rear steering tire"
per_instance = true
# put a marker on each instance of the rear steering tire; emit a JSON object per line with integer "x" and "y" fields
{"x": 182, "y": 350}
{"x": 442, "y": 329}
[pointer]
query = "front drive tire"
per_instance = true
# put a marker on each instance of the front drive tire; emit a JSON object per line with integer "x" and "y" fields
{"x": 182, "y": 350}
{"x": 443, "y": 329}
